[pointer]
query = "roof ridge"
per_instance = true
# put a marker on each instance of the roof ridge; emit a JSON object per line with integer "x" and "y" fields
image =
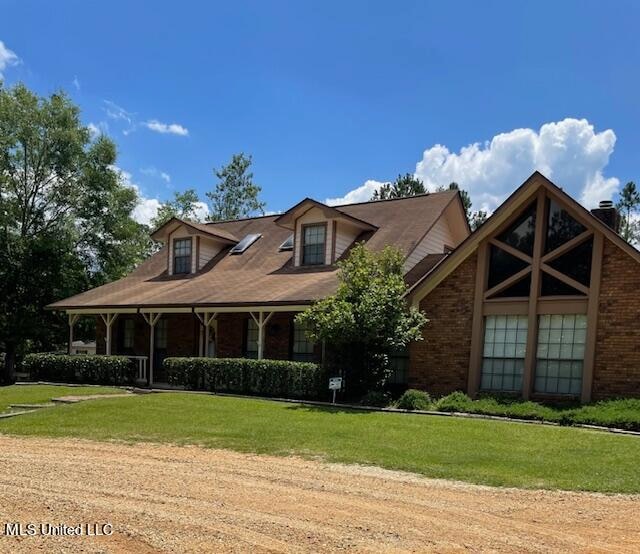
{"x": 412, "y": 197}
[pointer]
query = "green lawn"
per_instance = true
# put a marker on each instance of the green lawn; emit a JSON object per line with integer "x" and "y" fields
{"x": 478, "y": 451}
{"x": 38, "y": 394}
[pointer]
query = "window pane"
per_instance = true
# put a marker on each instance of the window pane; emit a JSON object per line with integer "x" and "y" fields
{"x": 161, "y": 333}
{"x": 313, "y": 247}
{"x": 561, "y": 227}
{"x": 521, "y": 234}
{"x": 303, "y": 348}
{"x": 560, "y": 354}
{"x": 576, "y": 263}
{"x": 182, "y": 256}
{"x": 505, "y": 341}
{"x": 554, "y": 287}
{"x": 520, "y": 289}
{"x": 251, "y": 343}
{"x": 129, "y": 331}
{"x": 502, "y": 266}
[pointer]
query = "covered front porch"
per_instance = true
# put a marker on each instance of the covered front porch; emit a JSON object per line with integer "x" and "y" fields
{"x": 148, "y": 335}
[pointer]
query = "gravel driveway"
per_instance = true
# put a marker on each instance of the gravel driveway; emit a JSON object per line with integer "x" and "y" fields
{"x": 191, "y": 499}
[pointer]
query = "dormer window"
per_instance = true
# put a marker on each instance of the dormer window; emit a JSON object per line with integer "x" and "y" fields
{"x": 182, "y": 256}
{"x": 314, "y": 244}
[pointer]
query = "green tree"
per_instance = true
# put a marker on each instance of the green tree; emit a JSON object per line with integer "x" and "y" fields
{"x": 475, "y": 218}
{"x": 629, "y": 207}
{"x": 404, "y": 185}
{"x": 367, "y": 318}
{"x": 184, "y": 205}
{"x": 235, "y": 195}
{"x": 65, "y": 217}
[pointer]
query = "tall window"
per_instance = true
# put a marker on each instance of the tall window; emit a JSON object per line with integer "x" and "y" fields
{"x": 313, "y": 244}
{"x": 303, "y": 348}
{"x": 251, "y": 339}
{"x": 560, "y": 357}
{"x": 182, "y": 256}
{"x": 505, "y": 341}
{"x": 161, "y": 334}
{"x": 129, "y": 333}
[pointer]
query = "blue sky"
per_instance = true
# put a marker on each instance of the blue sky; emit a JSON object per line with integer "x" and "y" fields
{"x": 332, "y": 98}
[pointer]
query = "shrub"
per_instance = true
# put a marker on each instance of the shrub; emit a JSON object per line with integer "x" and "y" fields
{"x": 100, "y": 370}
{"x": 621, "y": 413}
{"x": 414, "y": 400}
{"x": 380, "y": 399}
{"x": 281, "y": 378}
{"x": 455, "y": 402}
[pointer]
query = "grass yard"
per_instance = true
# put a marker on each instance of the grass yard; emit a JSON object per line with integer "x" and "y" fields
{"x": 477, "y": 451}
{"x": 40, "y": 394}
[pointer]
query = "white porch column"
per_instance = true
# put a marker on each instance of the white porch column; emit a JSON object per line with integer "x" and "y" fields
{"x": 72, "y": 321}
{"x": 151, "y": 318}
{"x": 206, "y": 319}
{"x": 109, "y": 320}
{"x": 261, "y": 322}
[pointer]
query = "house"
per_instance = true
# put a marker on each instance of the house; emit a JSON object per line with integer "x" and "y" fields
{"x": 541, "y": 301}
{"x": 233, "y": 288}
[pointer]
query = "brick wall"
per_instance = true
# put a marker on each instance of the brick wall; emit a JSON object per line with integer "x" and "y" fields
{"x": 183, "y": 333}
{"x": 439, "y": 364}
{"x": 617, "y": 362}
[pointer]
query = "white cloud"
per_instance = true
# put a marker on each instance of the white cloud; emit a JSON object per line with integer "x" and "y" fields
{"x": 361, "y": 194}
{"x": 76, "y": 82}
{"x": 570, "y": 152}
{"x": 166, "y": 128}
{"x": 117, "y": 112}
{"x": 7, "y": 58}
{"x": 154, "y": 172}
{"x": 202, "y": 210}
{"x": 146, "y": 208}
{"x": 97, "y": 129}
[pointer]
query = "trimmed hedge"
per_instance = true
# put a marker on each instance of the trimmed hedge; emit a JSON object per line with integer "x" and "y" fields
{"x": 281, "y": 378}
{"x": 413, "y": 399}
{"x": 94, "y": 369}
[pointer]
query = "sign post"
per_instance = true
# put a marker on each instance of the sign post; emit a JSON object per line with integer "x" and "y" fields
{"x": 335, "y": 384}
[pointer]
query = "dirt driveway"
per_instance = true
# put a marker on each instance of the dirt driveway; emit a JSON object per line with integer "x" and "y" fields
{"x": 190, "y": 499}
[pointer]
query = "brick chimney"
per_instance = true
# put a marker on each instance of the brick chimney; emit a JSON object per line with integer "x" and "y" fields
{"x": 608, "y": 214}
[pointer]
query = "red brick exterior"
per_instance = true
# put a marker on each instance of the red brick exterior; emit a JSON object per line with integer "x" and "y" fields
{"x": 617, "y": 362}
{"x": 183, "y": 335}
{"x": 439, "y": 364}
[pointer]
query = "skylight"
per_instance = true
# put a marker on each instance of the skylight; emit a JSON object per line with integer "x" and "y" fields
{"x": 287, "y": 244}
{"x": 245, "y": 243}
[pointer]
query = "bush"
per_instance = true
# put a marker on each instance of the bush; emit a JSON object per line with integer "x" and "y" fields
{"x": 99, "y": 370}
{"x": 281, "y": 378}
{"x": 622, "y": 413}
{"x": 414, "y": 400}
{"x": 377, "y": 398}
{"x": 455, "y": 402}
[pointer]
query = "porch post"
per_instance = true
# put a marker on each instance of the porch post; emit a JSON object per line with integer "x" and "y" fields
{"x": 151, "y": 318}
{"x": 72, "y": 321}
{"x": 261, "y": 322}
{"x": 108, "y": 319}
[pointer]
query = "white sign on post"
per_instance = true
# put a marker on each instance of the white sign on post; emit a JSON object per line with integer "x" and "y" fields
{"x": 335, "y": 384}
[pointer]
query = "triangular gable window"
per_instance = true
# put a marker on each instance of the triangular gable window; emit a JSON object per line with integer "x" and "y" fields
{"x": 520, "y": 289}
{"x": 503, "y": 265}
{"x": 576, "y": 263}
{"x": 522, "y": 233}
{"x": 554, "y": 287}
{"x": 561, "y": 227}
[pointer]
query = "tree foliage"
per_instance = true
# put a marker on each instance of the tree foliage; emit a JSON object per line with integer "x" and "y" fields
{"x": 65, "y": 222}
{"x": 183, "y": 205}
{"x": 235, "y": 195}
{"x": 367, "y": 318}
{"x": 629, "y": 207}
{"x": 404, "y": 185}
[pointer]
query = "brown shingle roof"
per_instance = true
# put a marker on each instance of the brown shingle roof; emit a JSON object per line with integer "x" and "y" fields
{"x": 262, "y": 274}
